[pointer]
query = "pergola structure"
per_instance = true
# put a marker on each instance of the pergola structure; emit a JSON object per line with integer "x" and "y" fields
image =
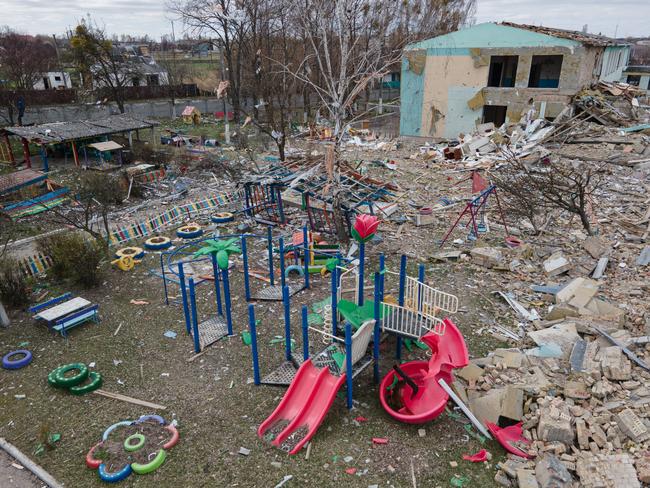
{"x": 72, "y": 133}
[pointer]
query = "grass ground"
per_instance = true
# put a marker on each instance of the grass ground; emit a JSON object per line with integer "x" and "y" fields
{"x": 217, "y": 407}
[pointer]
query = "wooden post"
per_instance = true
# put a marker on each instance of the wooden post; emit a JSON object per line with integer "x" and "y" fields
{"x": 75, "y": 155}
{"x": 11, "y": 152}
{"x": 28, "y": 161}
{"x": 131, "y": 139}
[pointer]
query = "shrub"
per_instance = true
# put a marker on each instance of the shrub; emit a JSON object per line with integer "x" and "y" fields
{"x": 14, "y": 288}
{"x": 74, "y": 258}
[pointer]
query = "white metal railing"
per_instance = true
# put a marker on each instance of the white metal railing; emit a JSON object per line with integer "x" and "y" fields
{"x": 347, "y": 275}
{"x": 428, "y": 300}
{"x": 409, "y": 322}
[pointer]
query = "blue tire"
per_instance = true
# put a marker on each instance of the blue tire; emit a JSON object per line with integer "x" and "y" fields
{"x": 189, "y": 231}
{"x": 158, "y": 243}
{"x": 222, "y": 218}
{"x": 9, "y": 363}
{"x": 114, "y": 477}
{"x": 144, "y": 418}
{"x": 293, "y": 268}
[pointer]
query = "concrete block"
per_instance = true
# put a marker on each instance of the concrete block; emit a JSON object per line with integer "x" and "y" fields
{"x": 556, "y": 264}
{"x": 552, "y": 473}
{"x": 632, "y": 426}
{"x": 615, "y": 365}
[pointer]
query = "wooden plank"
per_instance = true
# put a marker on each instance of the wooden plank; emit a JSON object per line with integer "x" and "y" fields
{"x": 124, "y": 398}
{"x": 39, "y": 472}
{"x": 63, "y": 309}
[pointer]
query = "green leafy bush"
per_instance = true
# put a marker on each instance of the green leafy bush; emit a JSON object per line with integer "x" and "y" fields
{"x": 74, "y": 258}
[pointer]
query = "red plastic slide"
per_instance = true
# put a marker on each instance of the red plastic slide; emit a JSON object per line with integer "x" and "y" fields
{"x": 426, "y": 399}
{"x": 303, "y": 406}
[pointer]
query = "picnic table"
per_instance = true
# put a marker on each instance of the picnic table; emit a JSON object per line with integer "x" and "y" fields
{"x": 62, "y": 309}
{"x": 65, "y": 311}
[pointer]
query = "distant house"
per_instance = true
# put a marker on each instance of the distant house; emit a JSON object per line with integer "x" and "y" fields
{"x": 495, "y": 72}
{"x": 139, "y": 71}
{"x": 191, "y": 115}
{"x": 638, "y": 76}
{"x": 53, "y": 80}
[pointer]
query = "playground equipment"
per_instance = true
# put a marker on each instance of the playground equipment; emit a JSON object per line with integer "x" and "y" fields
{"x": 317, "y": 381}
{"x": 410, "y": 392}
{"x": 476, "y": 210}
{"x": 263, "y": 202}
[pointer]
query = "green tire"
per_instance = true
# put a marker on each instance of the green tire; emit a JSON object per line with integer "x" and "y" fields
{"x": 130, "y": 447}
{"x": 151, "y": 466}
{"x": 63, "y": 381}
{"x": 94, "y": 384}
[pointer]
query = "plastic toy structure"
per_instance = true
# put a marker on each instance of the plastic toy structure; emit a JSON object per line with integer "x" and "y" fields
{"x": 411, "y": 392}
{"x": 132, "y": 446}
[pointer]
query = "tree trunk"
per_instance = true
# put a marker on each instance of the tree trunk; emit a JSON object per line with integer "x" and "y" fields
{"x": 281, "y": 142}
{"x": 339, "y": 218}
{"x": 584, "y": 218}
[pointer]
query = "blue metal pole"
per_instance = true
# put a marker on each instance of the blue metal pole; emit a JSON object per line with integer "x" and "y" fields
{"x": 244, "y": 253}
{"x": 362, "y": 264}
{"x": 46, "y": 166}
{"x": 421, "y": 281}
{"x": 377, "y": 331}
{"x": 382, "y": 271}
{"x": 305, "y": 333}
{"x": 402, "y": 284}
{"x": 348, "y": 362}
{"x": 195, "y": 320}
{"x": 226, "y": 298}
{"x": 307, "y": 254}
{"x": 253, "y": 330}
{"x": 186, "y": 308}
{"x": 269, "y": 238}
{"x": 287, "y": 323}
{"x": 217, "y": 288}
{"x": 335, "y": 272}
{"x": 283, "y": 279}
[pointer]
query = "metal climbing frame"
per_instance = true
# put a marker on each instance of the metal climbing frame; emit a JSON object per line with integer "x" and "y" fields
{"x": 428, "y": 300}
{"x": 264, "y": 201}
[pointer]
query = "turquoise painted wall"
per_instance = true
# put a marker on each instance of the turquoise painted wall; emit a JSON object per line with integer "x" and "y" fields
{"x": 459, "y": 117}
{"x": 491, "y": 35}
{"x": 615, "y": 60}
{"x": 411, "y": 96}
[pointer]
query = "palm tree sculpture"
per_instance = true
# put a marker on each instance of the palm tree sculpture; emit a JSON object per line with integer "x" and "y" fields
{"x": 220, "y": 250}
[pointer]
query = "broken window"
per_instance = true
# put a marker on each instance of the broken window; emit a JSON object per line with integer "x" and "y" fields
{"x": 495, "y": 114}
{"x": 634, "y": 79}
{"x": 503, "y": 70}
{"x": 545, "y": 71}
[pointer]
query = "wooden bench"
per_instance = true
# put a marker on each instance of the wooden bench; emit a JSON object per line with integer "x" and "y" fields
{"x": 69, "y": 321}
{"x": 64, "y": 312}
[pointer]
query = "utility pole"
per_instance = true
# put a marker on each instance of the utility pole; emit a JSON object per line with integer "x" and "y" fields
{"x": 225, "y": 108}
{"x": 173, "y": 78}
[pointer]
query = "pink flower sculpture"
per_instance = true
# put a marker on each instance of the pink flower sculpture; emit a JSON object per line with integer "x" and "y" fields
{"x": 365, "y": 227}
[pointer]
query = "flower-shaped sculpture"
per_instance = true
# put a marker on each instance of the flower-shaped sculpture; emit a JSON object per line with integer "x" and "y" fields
{"x": 132, "y": 446}
{"x": 363, "y": 230}
{"x": 222, "y": 249}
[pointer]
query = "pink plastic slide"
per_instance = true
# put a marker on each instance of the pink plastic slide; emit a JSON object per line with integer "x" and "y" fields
{"x": 304, "y": 405}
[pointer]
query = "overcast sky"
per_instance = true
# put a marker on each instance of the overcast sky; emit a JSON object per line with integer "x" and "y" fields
{"x": 608, "y": 17}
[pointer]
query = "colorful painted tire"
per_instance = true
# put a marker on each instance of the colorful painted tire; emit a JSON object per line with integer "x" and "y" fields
{"x": 158, "y": 243}
{"x": 151, "y": 466}
{"x": 50, "y": 379}
{"x": 94, "y": 384}
{"x": 175, "y": 437}
{"x": 91, "y": 462}
{"x": 129, "y": 446}
{"x": 144, "y": 418}
{"x": 108, "y": 431}
{"x": 114, "y": 477}
{"x": 222, "y": 217}
{"x": 9, "y": 363}
{"x": 189, "y": 231}
{"x": 132, "y": 252}
{"x": 61, "y": 381}
{"x": 294, "y": 268}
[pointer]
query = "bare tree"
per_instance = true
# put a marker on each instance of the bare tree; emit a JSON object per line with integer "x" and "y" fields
{"x": 549, "y": 185}
{"x": 96, "y": 56}
{"x": 23, "y": 60}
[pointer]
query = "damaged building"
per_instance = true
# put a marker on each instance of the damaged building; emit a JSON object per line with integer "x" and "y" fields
{"x": 497, "y": 72}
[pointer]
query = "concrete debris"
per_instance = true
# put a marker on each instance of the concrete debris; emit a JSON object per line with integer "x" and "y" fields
{"x": 556, "y": 264}
{"x": 551, "y": 473}
{"x": 606, "y": 471}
